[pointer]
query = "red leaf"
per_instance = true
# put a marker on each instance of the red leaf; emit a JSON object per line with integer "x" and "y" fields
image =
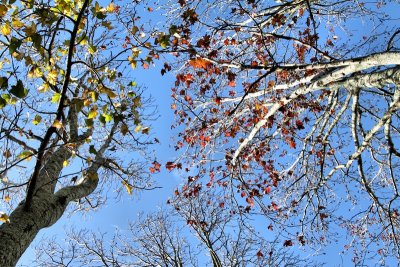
{"x": 288, "y": 243}
{"x": 145, "y": 66}
{"x": 292, "y": 144}
{"x": 156, "y": 167}
{"x": 267, "y": 190}
{"x": 221, "y": 205}
{"x": 323, "y": 216}
{"x": 299, "y": 124}
{"x": 259, "y": 254}
{"x": 170, "y": 166}
{"x": 250, "y": 201}
{"x": 243, "y": 194}
{"x": 232, "y": 83}
{"x": 188, "y": 98}
{"x": 274, "y": 206}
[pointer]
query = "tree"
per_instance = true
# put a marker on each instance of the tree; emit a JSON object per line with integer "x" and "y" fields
{"x": 160, "y": 239}
{"x": 293, "y": 108}
{"x": 227, "y": 237}
{"x": 69, "y": 103}
{"x": 152, "y": 240}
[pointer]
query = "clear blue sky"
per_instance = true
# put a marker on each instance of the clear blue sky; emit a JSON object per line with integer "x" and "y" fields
{"x": 118, "y": 214}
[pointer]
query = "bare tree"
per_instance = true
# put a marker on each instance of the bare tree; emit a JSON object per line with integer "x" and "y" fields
{"x": 226, "y": 235}
{"x": 152, "y": 240}
{"x": 296, "y": 109}
{"x": 161, "y": 239}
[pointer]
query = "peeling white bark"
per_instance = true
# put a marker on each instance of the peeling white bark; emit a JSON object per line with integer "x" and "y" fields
{"x": 337, "y": 78}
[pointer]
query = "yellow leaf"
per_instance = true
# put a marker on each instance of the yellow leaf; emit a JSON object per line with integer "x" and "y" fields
{"x": 111, "y": 7}
{"x": 6, "y": 29}
{"x": 137, "y": 128}
{"x": 52, "y": 76}
{"x": 128, "y": 187}
{"x": 17, "y": 23}
{"x": 65, "y": 163}
{"x": 37, "y": 119}
{"x": 25, "y": 155}
{"x": 132, "y": 62}
{"x": 57, "y": 124}
{"x": 92, "y": 113}
{"x": 94, "y": 95}
{"x": 108, "y": 92}
{"x": 86, "y": 102}
{"x": 4, "y": 218}
{"x": 56, "y": 98}
{"x": 92, "y": 49}
{"x": 7, "y": 198}
{"x": 38, "y": 72}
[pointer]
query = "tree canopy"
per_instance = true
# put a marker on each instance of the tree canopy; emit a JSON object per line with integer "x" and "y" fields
{"x": 69, "y": 101}
{"x": 294, "y": 106}
{"x": 168, "y": 236}
{"x": 288, "y": 110}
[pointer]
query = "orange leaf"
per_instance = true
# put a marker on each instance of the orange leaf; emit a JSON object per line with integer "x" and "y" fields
{"x": 292, "y": 144}
{"x": 199, "y": 63}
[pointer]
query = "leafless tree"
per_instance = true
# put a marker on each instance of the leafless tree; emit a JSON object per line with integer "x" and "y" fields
{"x": 152, "y": 240}
{"x": 218, "y": 238}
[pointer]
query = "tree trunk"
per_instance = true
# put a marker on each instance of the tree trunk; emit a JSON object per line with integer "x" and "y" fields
{"x": 17, "y": 235}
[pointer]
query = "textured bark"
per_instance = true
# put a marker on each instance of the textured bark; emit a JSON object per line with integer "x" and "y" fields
{"x": 46, "y": 205}
{"x": 18, "y": 234}
{"x": 46, "y": 209}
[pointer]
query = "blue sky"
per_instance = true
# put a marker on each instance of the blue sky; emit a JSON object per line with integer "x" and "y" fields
{"x": 119, "y": 213}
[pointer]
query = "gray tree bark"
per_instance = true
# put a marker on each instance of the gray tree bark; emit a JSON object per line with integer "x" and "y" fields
{"x": 46, "y": 205}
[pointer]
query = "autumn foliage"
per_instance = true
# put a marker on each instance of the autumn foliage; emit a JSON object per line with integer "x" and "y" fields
{"x": 274, "y": 101}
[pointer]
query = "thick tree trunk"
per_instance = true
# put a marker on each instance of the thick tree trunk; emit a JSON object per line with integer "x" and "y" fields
{"x": 17, "y": 235}
{"x": 45, "y": 209}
